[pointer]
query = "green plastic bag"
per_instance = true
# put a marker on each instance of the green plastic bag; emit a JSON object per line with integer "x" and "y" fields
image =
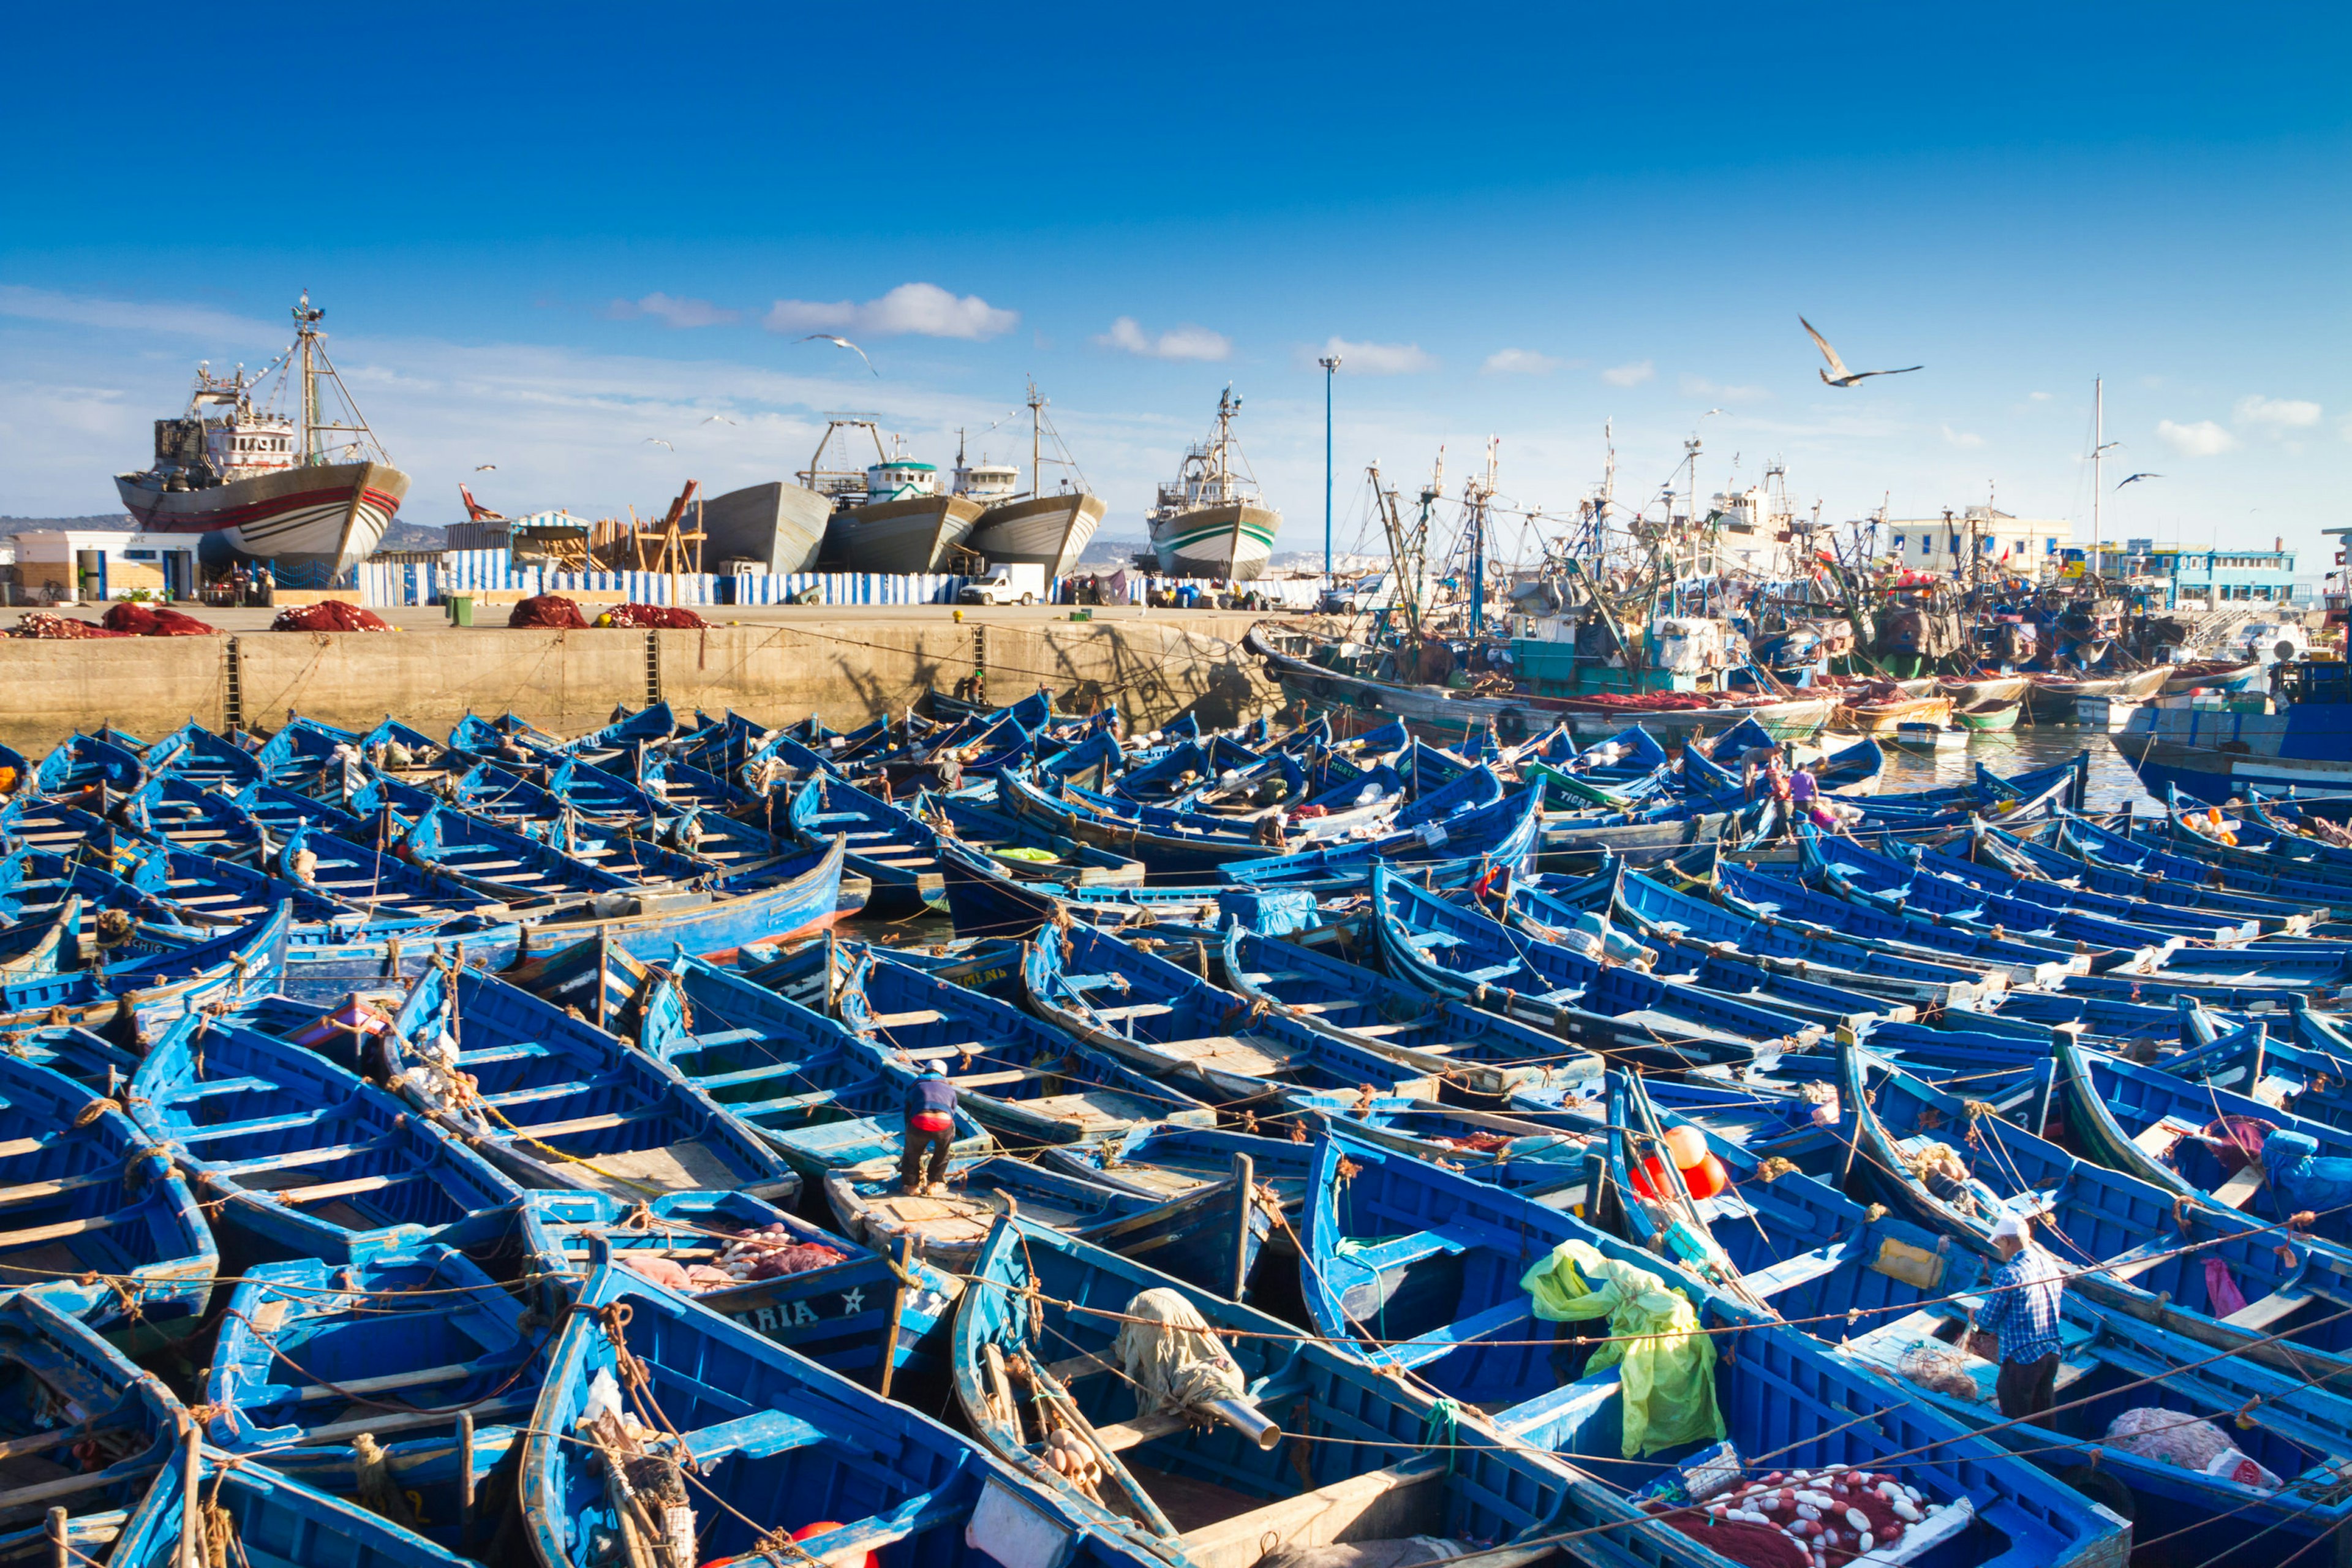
{"x": 1667, "y": 1380}
{"x": 1022, "y": 852}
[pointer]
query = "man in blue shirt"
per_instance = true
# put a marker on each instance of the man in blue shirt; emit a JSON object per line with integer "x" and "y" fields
{"x": 2026, "y": 1293}
{"x": 930, "y": 1129}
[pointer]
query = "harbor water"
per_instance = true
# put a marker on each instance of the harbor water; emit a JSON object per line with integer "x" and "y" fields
{"x": 2113, "y": 784}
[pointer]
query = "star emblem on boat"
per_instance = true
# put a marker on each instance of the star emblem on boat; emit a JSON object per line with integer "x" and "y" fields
{"x": 853, "y": 1302}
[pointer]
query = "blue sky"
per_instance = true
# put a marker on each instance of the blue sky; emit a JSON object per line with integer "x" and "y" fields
{"x": 547, "y": 238}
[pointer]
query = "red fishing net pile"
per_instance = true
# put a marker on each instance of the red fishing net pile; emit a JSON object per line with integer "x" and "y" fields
{"x": 329, "y": 616}
{"x": 1822, "y": 1518}
{"x": 60, "y": 627}
{"x": 155, "y": 621}
{"x": 638, "y": 618}
{"x": 548, "y": 612}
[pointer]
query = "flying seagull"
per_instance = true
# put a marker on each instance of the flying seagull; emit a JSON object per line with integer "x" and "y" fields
{"x": 2137, "y": 477}
{"x": 659, "y": 442}
{"x": 840, "y": 344}
{"x": 1843, "y": 377}
{"x": 716, "y": 419}
{"x": 484, "y": 468}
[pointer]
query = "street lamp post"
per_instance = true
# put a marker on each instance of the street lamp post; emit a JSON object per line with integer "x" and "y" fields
{"x": 1329, "y": 365}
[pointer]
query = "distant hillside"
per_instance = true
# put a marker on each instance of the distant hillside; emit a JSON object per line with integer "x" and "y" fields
{"x": 413, "y": 536}
{"x": 113, "y": 519}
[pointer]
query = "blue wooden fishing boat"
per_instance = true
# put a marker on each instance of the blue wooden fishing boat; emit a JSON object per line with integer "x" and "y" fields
{"x": 1473, "y": 1053}
{"x": 1808, "y": 909}
{"x": 1211, "y": 1235}
{"x": 303, "y": 754}
{"x": 383, "y": 887}
{"x": 1174, "y": 856}
{"x": 1427, "y": 1271}
{"x": 816, "y": 1093}
{"x": 2135, "y": 1248}
{"x": 893, "y": 847}
{"x": 414, "y": 1334}
{"x": 1022, "y": 1079}
{"x": 266, "y": 1517}
{"x": 1462, "y": 847}
{"x": 1577, "y": 914}
{"x": 556, "y": 1103}
{"x": 204, "y": 759}
{"x": 65, "y": 1389}
{"x": 177, "y": 811}
{"x": 1615, "y": 1012}
{"x": 299, "y": 1156}
{"x": 1666, "y": 918}
{"x": 1271, "y": 1442}
{"x": 163, "y": 981}
{"x": 97, "y": 1219}
{"x": 778, "y": 1442}
{"x": 2147, "y": 1123}
{"x": 1173, "y": 1025}
{"x": 86, "y": 765}
{"x": 840, "y": 1312}
{"x": 1163, "y": 1163}
{"x": 976, "y": 822}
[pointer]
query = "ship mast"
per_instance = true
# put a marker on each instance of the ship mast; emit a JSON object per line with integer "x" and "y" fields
{"x": 1036, "y": 442}
{"x": 310, "y": 349}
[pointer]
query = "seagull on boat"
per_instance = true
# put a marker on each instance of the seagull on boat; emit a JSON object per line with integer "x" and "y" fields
{"x": 2137, "y": 477}
{"x": 840, "y": 344}
{"x": 659, "y": 442}
{"x": 1845, "y": 377}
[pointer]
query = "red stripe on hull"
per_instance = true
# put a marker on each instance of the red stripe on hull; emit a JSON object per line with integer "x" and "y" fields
{"x": 262, "y": 511}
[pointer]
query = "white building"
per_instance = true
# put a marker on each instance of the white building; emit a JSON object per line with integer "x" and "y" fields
{"x": 94, "y": 565}
{"x": 2027, "y": 545}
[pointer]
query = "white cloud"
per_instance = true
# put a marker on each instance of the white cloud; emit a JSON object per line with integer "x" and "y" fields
{"x": 1964, "y": 439}
{"x": 1632, "y": 375}
{"x": 920, "y": 310}
{"x": 672, "y": 311}
{"x": 2202, "y": 439}
{"x": 2038, "y": 396}
{"x": 127, "y": 315}
{"x": 1187, "y": 341}
{"x": 1519, "y": 361}
{"x": 1700, "y": 386}
{"x": 1379, "y": 359}
{"x": 2281, "y": 412}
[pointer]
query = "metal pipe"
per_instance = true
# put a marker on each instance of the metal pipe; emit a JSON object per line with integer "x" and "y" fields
{"x": 1248, "y": 1420}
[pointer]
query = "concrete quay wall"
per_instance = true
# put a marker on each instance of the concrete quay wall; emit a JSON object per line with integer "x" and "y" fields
{"x": 567, "y": 681}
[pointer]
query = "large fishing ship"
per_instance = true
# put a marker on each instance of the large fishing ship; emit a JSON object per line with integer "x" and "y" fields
{"x": 307, "y": 494}
{"x": 1211, "y": 521}
{"x": 895, "y": 516}
{"x": 1046, "y": 528}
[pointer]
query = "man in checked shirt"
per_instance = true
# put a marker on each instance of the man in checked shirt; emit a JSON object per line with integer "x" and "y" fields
{"x": 2026, "y": 1293}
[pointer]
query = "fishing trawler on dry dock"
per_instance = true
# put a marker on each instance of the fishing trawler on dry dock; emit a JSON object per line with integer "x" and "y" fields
{"x": 892, "y": 516}
{"x": 1211, "y": 520}
{"x": 262, "y": 484}
{"x": 1040, "y": 527}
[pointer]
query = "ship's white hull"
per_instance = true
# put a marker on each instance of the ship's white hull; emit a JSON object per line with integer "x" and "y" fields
{"x": 779, "y": 525}
{"x": 1229, "y": 542}
{"x": 912, "y": 536}
{"x": 1049, "y": 531}
{"x": 327, "y": 516}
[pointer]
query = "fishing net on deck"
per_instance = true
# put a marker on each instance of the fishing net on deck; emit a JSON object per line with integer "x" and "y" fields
{"x": 2173, "y": 1438}
{"x": 1173, "y": 1358}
